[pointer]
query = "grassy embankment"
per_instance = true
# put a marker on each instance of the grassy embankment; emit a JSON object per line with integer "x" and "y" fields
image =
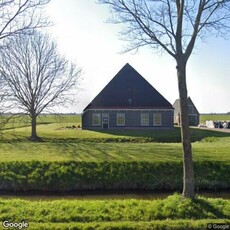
{"x": 169, "y": 213}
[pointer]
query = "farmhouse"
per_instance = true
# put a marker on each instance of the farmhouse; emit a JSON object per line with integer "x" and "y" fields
{"x": 194, "y": 116}
{"x": 128, "y": 101}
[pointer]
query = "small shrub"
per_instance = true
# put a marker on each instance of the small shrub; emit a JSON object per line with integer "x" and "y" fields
{"x": 210, "y": 139}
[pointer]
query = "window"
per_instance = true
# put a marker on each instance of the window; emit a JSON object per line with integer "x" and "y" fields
{"x": 120, "y": 119}
{"x": 96, "y": 119}
{"x": 157, "y": 119}
{"x": 145, "y": 119}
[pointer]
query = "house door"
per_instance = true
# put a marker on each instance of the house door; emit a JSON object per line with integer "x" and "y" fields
{"x": 105, "y": 120}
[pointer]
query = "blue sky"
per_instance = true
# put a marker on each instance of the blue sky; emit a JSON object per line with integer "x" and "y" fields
{"x": 85, "y": 38}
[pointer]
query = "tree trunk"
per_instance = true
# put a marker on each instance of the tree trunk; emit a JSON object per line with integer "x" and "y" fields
{"x": 188, "y": 178}
{"x": 34, "y": 136}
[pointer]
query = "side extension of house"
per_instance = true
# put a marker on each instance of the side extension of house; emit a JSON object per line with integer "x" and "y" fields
{"x": 194, "y": 116}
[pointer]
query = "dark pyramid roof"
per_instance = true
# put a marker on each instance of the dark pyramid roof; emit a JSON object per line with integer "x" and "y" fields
{"x": 129, "y": 90}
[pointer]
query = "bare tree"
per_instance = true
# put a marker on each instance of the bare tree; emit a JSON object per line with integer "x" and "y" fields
{"x": 173, "y": 26}
{"x": 17, "y": 17}
{"x": 38, "y": 79}
{"x": 21, "y": 16}
{"x": 3, "y": 105}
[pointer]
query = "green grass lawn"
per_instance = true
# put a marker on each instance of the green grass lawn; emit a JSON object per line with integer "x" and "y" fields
{"x": 59, "y": 130}
{"x": 214, "y": 117}
{"x": 217, "y": 149}
{"x": 61, "y": 143}
{"x": 17, "y": 121}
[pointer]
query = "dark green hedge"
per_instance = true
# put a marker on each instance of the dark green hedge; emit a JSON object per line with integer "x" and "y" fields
{"x": 72, "y": 176}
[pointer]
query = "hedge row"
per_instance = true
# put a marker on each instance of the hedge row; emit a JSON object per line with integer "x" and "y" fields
{"x": 73, "y": 176}
{"x": 175, "y": 139}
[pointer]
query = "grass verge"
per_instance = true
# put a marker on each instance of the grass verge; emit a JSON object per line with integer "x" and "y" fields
{"x": 127, "y": 225}
{"x": 169, "y": 213}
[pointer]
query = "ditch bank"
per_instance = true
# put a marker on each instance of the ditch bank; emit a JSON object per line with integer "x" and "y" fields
{"x": 106, "y": 195}
{"x": 81, "y": 176}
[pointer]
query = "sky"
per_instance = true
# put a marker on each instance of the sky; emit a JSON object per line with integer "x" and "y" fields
{"x": 85, "y": 38}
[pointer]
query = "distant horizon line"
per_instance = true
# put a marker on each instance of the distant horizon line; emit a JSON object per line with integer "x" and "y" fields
{"x": 79, "y": 113}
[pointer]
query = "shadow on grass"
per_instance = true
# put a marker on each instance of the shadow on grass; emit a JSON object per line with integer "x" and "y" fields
{"x": 175, "y": 207}
{"x": 203, "y": 207}
{"x": 168, "y": 136}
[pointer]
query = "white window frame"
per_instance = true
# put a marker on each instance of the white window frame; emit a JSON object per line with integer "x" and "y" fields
{"x": 144, "y": 119}
{"x": 123, "y": 116}
{"x": 155, "y": 117}
{"x": 93, "y": 120}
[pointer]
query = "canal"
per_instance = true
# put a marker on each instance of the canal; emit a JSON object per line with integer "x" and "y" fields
{"x": 101, "y": 195}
